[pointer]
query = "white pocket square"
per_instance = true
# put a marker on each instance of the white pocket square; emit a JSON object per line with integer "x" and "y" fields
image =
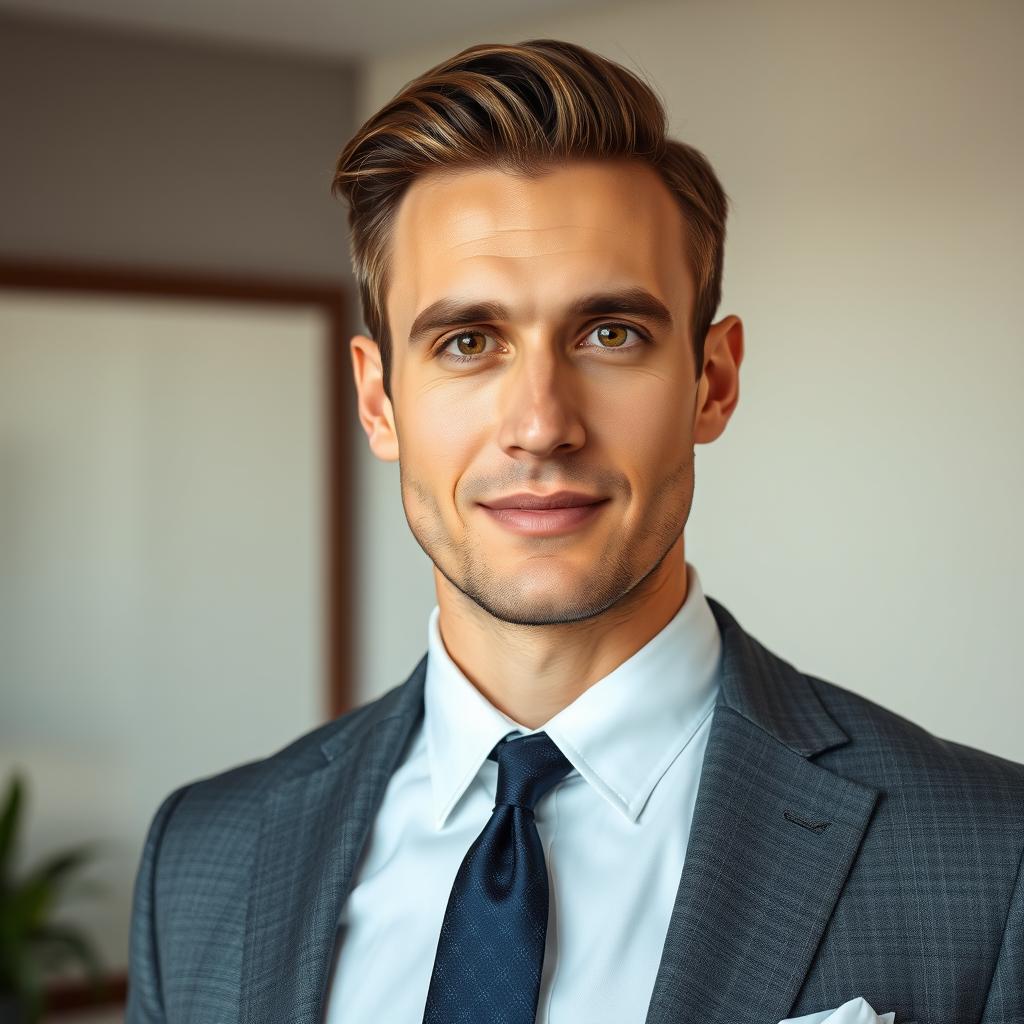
{"x": 855, "y": 1011}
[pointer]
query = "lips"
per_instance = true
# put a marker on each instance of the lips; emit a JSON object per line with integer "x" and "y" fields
{"x": 557, "y": 499}
{"x": 546, "y": 522}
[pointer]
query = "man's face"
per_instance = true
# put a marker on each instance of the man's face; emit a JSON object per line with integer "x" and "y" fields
{"x": 583, "y": 381}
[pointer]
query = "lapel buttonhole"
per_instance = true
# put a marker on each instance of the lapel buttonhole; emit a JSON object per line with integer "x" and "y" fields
{"x": 813, "y": 826}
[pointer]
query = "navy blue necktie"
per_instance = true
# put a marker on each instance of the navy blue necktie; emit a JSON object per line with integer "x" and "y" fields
{"x": 491, "y": 949}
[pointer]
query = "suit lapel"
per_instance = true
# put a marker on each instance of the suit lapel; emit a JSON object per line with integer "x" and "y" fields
{"x": 772, "y": 841}
{"x": 312, "y": 831}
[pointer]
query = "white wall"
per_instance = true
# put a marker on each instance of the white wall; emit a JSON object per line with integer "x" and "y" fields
{"x": 861, "y": 514}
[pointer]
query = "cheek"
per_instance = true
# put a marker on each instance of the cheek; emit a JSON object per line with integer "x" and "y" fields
{"x": 644, "y": 417}
{"x": 439, "y": 437}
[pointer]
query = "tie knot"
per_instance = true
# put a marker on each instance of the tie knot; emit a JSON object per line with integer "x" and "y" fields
{"x": 528, "y": 766}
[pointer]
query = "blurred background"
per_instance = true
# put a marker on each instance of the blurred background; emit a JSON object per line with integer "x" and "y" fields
{"x": 199, "y": 557}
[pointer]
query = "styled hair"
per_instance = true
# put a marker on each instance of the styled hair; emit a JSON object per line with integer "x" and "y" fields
{"x": 522, "y": 108}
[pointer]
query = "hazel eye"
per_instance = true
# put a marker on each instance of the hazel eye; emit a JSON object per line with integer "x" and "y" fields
{"x": 462, "y": 356}
{"x": 616, "y": 335}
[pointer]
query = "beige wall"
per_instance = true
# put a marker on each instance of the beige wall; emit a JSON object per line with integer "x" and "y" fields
{"x": 860, "y": 515}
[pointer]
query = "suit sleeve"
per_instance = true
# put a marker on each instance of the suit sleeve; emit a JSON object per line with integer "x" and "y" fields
{"x": 145, "y": 993}
{"x": 1005, "y": 1001}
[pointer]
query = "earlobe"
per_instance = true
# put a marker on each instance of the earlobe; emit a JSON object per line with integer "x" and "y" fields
{"x": 374, "y": 407}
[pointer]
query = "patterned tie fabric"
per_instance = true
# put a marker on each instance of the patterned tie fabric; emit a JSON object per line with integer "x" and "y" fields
{"x": 491, "y": 949}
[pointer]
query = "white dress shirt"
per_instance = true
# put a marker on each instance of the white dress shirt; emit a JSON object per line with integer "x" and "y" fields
{"x": 614, "y": 831}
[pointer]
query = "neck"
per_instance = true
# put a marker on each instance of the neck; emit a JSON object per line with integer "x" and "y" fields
{"x": 530, "y": 673}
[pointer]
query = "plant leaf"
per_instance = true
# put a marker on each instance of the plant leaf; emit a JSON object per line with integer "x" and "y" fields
{"x": 10, "y": 819}
{"x": 27, "y": 906}
{"x": 29, "y": 986}
{"x": 62, "y": 863}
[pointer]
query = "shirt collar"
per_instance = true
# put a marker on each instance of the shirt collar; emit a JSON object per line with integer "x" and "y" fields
{"x": 621, "y": 734}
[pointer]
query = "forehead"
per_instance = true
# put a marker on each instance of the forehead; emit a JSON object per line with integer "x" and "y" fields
{"x": 533, "y": 242}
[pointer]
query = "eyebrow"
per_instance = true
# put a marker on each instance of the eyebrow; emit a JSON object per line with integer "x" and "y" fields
{"x": 627, "y": 301}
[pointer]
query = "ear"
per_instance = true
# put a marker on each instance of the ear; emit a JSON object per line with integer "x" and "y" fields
{"x": 718, "y": 389}
{"x": 375, "y": 411}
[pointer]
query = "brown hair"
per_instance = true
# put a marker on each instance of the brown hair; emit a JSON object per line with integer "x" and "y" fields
{"x": 521, "y": 108}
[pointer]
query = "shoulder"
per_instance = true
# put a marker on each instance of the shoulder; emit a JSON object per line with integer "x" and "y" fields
{"x": 861, "y": 740}
{"x": 232, "y": 800}
{"x": 946, "y": 839}
{"x": 925, "y": 775}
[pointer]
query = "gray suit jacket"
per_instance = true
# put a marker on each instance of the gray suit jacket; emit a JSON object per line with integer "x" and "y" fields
{"x": 836, "y": 850}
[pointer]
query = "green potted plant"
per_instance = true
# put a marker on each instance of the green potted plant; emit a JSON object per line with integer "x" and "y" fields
{"x": 31, "y": 943}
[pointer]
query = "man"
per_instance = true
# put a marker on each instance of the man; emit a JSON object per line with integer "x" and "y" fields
{"x": 596, "y": 798}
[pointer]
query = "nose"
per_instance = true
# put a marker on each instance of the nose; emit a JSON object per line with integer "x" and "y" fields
{"x": 539, "y": 410}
